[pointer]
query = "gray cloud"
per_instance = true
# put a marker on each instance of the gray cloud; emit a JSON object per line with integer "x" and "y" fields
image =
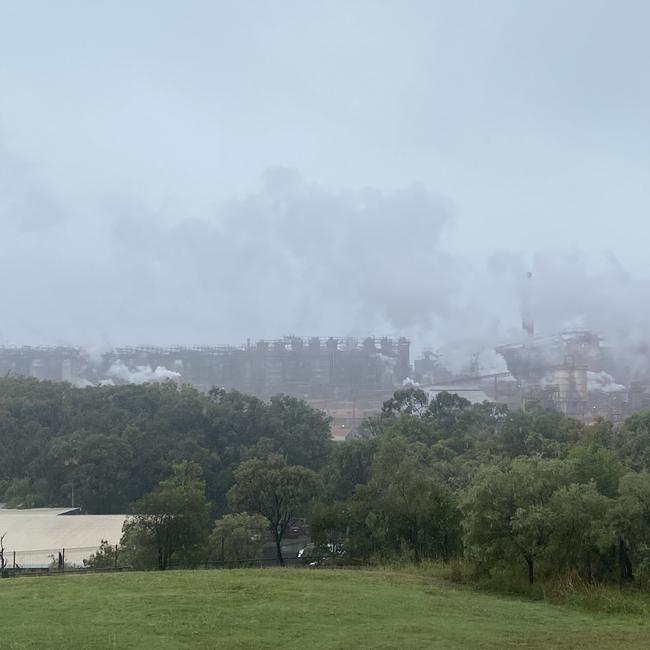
{"x": 289, "y": 257}
{"x": 477, "y": 141}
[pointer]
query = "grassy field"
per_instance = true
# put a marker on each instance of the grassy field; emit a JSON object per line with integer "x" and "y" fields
{"x": 289, "y": 609}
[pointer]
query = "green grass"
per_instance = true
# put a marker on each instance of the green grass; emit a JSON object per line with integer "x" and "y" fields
{"x": 288, "y": 609}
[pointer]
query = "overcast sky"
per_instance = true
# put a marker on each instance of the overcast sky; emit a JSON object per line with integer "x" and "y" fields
{"x": 185, "y": 171}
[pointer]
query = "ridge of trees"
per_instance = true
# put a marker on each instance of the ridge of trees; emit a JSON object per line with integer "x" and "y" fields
{"x": 108, "y": 446}
{"x": 212, "y": 475}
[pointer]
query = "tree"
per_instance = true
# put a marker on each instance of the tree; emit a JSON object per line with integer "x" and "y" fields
{"x": 633, "y": 441}
{"x": 578, "y": 519}
{"x": 538, "y": 431}
{"x": 448, "y": 420}
{"x": 171, "y": 520}
{"x": 329, "y": 526}
{"x": 408, "y": 401}
{"x": 350, "y": 465}
{"x": 110, "y": 445}
{"x": 592, "y": 462}
{"x": 106, "y": 557}
{"x": 506, "y": 511}
{"x": 408, "y": 512}
{"x": 448, "y": 406}
{"x": 301, "y": 433}
{"x": 402, "y": 510}
{"x": 631, "y": 521}
{"x": 97, "y": 471}
{"x": 238, "y": 537}
{"x": 277, "y": 491}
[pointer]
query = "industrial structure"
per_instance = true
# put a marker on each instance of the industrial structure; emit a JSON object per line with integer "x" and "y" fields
{"x": 313, "y": 367}
{"x": 573, "y": 371}
{"x": 554, "y": 370}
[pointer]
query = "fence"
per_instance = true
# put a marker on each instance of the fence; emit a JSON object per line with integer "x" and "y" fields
{"x": 45, "y": 559}
{"x": 55, "y": 561}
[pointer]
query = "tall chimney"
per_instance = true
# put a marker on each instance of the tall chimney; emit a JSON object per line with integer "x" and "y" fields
{"x": 527, "y": 322}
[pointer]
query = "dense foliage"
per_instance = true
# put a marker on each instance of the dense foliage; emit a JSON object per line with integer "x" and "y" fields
{"x": 108, "y": 446}
{"x": 534, "y": 493}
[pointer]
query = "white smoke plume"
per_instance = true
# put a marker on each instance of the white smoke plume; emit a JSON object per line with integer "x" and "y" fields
{"x": 120, "y": 373}
{"x": 602, "y": 382}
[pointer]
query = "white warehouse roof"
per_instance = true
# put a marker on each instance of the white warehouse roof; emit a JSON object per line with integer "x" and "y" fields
{"x": 37, "y": 534}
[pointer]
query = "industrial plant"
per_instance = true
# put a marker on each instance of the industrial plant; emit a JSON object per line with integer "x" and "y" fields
{"x": 318, "y": 368}
{"x": 573, "y": 371}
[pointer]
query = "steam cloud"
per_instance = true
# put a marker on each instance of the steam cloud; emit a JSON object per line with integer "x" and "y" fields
{"x": 291, "y": 257}
{"x": 120, "y": 372}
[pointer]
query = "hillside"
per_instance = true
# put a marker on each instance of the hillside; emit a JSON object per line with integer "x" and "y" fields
{"x": 290, "y": 609}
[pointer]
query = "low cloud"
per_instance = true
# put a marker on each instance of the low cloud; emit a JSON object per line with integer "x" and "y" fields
{"x": 290, "y": 257}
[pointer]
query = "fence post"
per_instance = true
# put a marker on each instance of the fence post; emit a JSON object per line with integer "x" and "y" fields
{"x": 63, "y": 560}
{"x": 115, "y": 566}
{"x": 14, "y": 560}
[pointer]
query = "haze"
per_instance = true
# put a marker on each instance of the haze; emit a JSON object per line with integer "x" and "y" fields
{"x": 205, "y": 172}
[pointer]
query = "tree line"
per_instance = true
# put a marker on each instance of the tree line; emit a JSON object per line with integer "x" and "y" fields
{"x": 108, "y": 446}
{"x": 216, "y": 475}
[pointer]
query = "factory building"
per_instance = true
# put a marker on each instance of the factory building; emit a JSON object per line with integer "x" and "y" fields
{"x": 307, "y": 367}
{"x": 573, "y": 372}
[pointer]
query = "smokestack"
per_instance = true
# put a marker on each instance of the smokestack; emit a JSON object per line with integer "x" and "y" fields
{"x": 527, "y": 321}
